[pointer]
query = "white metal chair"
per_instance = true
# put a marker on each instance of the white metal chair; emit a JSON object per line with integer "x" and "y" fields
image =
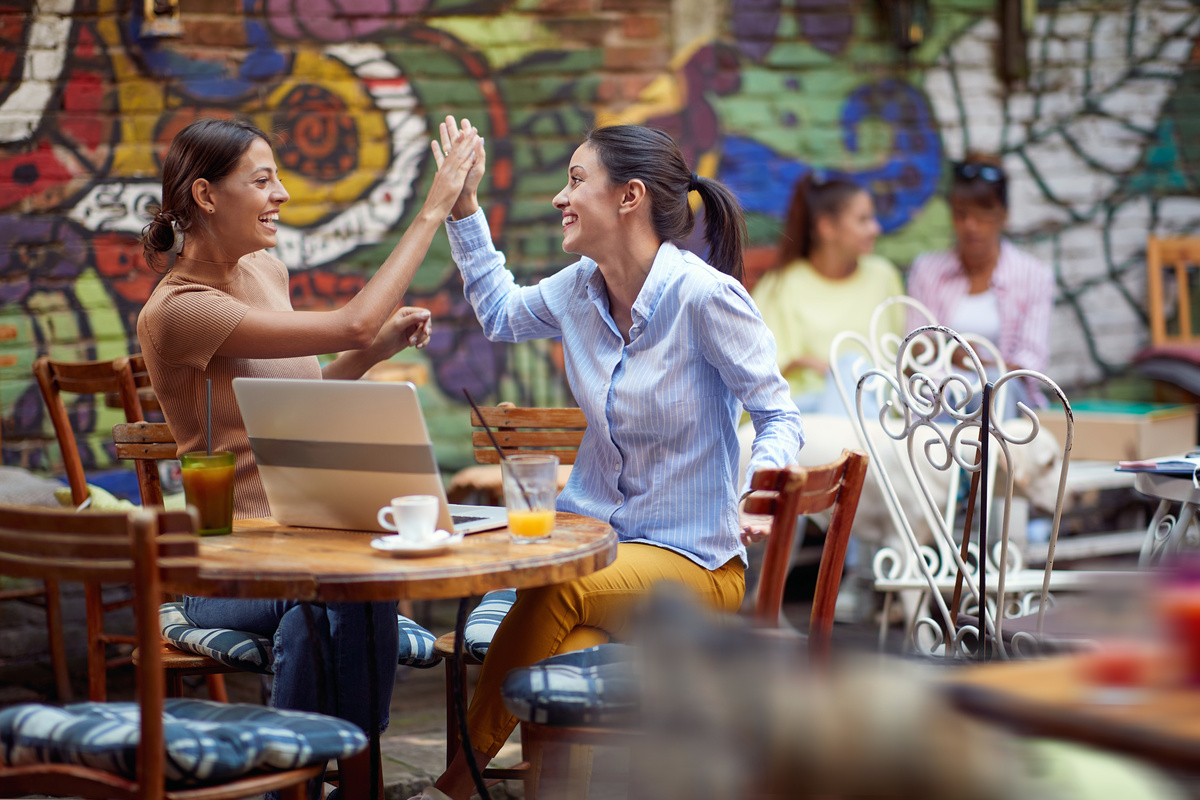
{"x": 913, "y": 401}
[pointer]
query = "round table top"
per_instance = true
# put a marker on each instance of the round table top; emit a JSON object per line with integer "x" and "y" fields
{"x": 1179, "y": 488}
{"x": 264, "y": 559}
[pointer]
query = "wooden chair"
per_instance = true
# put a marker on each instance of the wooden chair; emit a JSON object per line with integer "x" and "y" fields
{"x": 120, "y": 548}
{"x": 1172, "y": 360}
{"x": 552, "y": 431}
{"x": 784, "y": 494}
{"x": 94, "y": 378}
{"x": 47, "y": 594}
{"x": 1179, "y": 256}
{"x": 147, "y": 443}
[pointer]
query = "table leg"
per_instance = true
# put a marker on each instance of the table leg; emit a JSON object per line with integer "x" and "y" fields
{"x": 460, "y": 700}
{"x": 1158, "y": 533}
{"x": 1167, "y": 533}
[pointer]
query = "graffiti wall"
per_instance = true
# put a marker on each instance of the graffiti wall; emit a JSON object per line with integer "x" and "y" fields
{"x": 759, "y": 93}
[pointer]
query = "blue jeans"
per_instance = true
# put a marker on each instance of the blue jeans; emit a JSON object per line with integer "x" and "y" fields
{"x": 329, "y": 649}
{"x": 317, "y": 645}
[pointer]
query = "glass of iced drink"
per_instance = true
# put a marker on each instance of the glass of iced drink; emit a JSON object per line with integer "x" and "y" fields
{"x": 208, "y": 485}
{"x": 530, "y": 487}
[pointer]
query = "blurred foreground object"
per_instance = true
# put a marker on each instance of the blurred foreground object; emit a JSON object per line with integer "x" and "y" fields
{"x": 732, "y": 712}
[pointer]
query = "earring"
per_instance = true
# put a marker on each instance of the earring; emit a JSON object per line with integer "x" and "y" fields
{"x": 177, "y": 246}
{"x": 212, "y": 209}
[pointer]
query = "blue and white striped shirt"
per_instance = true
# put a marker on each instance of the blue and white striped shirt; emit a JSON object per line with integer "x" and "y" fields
{"x": 660, "y": 455}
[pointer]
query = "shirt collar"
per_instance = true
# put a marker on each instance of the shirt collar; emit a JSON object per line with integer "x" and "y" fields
{"x": 666, "y": 261}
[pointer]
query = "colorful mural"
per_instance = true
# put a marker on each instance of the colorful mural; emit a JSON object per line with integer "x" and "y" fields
{"x": 758, "y": 92}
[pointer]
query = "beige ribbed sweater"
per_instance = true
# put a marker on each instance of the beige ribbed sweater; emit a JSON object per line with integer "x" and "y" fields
{"x": 180, "y": 329}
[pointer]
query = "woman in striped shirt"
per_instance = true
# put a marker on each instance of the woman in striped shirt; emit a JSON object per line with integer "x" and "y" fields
{"x": 986, "y": 286}
{"x": 662, "y": 351}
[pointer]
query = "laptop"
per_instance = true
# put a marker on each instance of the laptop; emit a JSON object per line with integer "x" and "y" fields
{"x": 332, "y": 453}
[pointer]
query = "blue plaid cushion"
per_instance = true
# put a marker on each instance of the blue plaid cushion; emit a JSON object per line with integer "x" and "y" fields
{"x": 252, "y": 653}
{"x": 485, "y": 619}
{"x": 596, "y": 686}
{"x": 238, "y": 649}
{"x": 205, "y": 741}
{"x": 416, "y": 645}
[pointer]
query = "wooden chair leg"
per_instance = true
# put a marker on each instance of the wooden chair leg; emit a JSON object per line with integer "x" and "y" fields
{"x": 97, "y": 670}
{"x": 533, "y": 751}
{"x": 354, "y": 773}
{"x": 58, "y": 651}
{"x": 174, "y": 683}
{"x": 216, "y": 688}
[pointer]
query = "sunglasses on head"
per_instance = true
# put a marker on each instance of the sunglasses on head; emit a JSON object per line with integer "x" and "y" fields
{"x": 973, "y": 171}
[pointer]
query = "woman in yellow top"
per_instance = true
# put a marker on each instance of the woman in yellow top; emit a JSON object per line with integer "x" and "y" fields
{"x": 826, "y": 280}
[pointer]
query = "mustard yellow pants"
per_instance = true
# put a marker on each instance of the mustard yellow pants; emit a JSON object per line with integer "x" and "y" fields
{"x": 581, "y": 613}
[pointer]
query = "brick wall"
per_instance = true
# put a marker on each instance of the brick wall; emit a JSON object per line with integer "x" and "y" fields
{"x": 759, "y": 92}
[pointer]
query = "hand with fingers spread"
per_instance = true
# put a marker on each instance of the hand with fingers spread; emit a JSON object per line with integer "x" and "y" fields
{"x": 455, "y": 157}
{"x": 451, "y": 133}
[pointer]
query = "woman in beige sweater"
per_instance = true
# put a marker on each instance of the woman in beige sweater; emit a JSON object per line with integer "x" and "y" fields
{"x": 222, "y": 311}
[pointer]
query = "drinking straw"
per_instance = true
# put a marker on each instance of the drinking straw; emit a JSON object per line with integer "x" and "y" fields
{"x": 208, "y": 430}
{"x": 495, "y": 444}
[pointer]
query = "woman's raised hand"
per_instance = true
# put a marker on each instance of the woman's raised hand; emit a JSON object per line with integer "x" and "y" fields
{"x": 455, "y": 158}
{"x": 467, "y": 202}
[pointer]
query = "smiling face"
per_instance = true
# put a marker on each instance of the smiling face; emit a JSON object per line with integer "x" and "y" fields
{"x": 589, "y": 204}
{"x": 245, "y": 204}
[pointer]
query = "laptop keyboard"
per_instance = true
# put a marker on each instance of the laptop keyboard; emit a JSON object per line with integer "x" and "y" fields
{"x": 460, "y": 519}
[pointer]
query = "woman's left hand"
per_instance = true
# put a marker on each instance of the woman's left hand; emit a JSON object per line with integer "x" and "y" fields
{"x": 410, "y": 325}
{"x": 755, "y": 527}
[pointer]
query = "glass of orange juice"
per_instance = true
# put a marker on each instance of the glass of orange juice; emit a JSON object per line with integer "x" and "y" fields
{"x": 530, "y": 487}
{"x": 208, "y": 485}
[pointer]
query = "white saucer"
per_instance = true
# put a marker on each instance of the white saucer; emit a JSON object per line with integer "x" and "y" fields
{"x": 396, "y": 546}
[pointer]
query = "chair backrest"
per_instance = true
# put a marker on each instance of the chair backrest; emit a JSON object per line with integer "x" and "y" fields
{"x": 84, "y": 377}
{"x": 1179, "y": 256}
{"x": 146, "y": 443}
{"x": 787, "y": 493}
{"x": 550, "y": 431}
{"x": 931, "y": 421}
{"x": 116, "y": 548}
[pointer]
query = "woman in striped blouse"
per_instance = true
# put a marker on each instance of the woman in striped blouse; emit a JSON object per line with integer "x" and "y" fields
{"x": 662, "y": 351}
{"x": 985, "y": 285}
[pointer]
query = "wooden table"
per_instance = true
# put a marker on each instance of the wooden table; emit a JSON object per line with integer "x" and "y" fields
{"x": 1051, "y": 697}
{"x": 267, "y": 560}
{"x": 263, "y": 559}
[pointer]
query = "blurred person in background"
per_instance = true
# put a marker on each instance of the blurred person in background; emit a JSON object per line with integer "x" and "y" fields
{"x": 826, "y": 280}
{"x": 985, "y": 285}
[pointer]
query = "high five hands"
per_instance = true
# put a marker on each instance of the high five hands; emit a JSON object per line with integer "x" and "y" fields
{"x": 453, "y": 136}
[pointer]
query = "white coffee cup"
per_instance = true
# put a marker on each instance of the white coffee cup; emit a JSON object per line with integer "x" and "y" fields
{"x": 413, "y": 517}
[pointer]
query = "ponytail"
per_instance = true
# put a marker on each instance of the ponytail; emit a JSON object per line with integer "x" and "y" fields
{"x": 724, "y": 228}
